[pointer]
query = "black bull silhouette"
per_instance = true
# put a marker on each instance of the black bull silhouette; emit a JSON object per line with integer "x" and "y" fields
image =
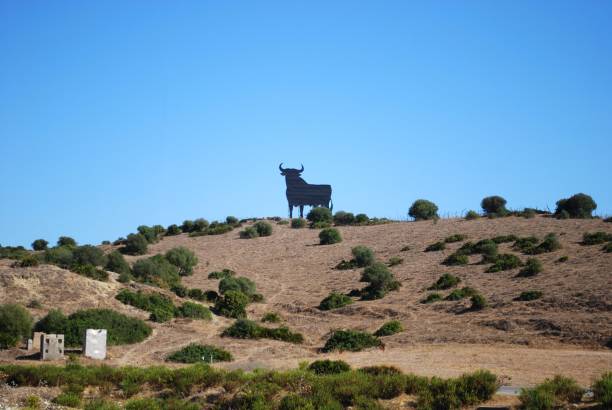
{"x": 300, "y": 193}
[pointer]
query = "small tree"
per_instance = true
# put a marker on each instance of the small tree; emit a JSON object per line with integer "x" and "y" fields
{"x": 135, "y": 244}
{"x": 494, "y": 205}
{"x": 200, "y": 224}
{"x": 361, "y": 219}
{"x": 156, "y": 270}
{"x": 187, "y": 226}
{"x": 15, "y": 324}
{"x": 344, "y": 218}
{"x": 363, "y": 256}
{"x": 173, "y": 230}
{"x": 89, "y": 255}
{"x": 232, "y": 304}
{"x": 40, "y": 245}
{"x": 148, "y": 232}
{"x": 117, "y": 263}
{"x": 319, "y": 214}
{"x": 231, "y": 220}
{"x": 329, "y": 236}
{"x": 380, "y": 279}
{"x": 183, "y": 259}
{"x": 423, "y": 209}
{"x": 576, "y": 206}
{"x": 66, "y": 241}
{"x": 263, "y": 228}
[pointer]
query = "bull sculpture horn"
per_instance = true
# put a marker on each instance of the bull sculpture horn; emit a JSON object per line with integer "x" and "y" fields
{"x": 302, "y": 170}
{"x": 281, "y": 167}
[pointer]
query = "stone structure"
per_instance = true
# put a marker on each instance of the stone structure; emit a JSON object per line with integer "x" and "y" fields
{"x": 36, "y": 341}
{"x": 52, "y": 347}
{"x": 95, "y": 344}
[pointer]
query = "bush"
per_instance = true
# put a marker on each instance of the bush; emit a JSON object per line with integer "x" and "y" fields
{"x": 68, "y": 399}
{"x": 263, "y": 228}
{"x": 195, "y": 353}
{"x": 149, "y": 233}
{"x": 422, "y": 209}
{"x": 455, "y": 259}
{"x": 60, "y": 256}
{"x": 445, "y": 281}
{"x": 159, "y": 305}
{"x": 232, "y": 304}
{"x": 183, "y": 259}
{"x": 607, "y": 247}
{"x": 91, "y": 272}
{"x": 321, "y": 367}
{"x": 344, "y": 218}
{"x": 319, "y": 214}
{"x": 437, "y": 246}
{"x": 602, "y": 390}
{"x": 28, "y": 262}
{"x": 15, "y": 325}
{"x": 249, "y": 233}
{"x": 200, "y": 225}
{"x": 363, "y": 256}
{"x": 431, "y": 298}
{"x": 361, "y": 219}
{"x": 88, "y": 255}
{"x": 329, "y": 236}
{"x": 247, "y": 329}
{"x": 528, "y": 213}
{"x": 478, "y": 302}
{"x": 576, "y": 206}
{"x": 380, "y": 279}
{"x": 551, "y": 394}
{"x": 231, "y": 220}
{"x": 390, "y": 328}
{"x": 335, "y": 301}
{"x": 240, "y": 284}
{"x": 529, "y": 295}
{"x": 40, "y": 245}
{"x": 121, "y": 329}
{"x": 462, "y": 293}
{"x": 494, "y": 205}
{"x": 180, "y": 290}
{"x": 596, "y": 238}
{"x": 187, "y": 226}
{"x": 505, "y": 261}
{"x": 156, "y": 270}
{"x": 395, "y": 260}
{"x": 350, "y": 340}
{"x": 194, "y": 311}
{"x": 532, "y": 267}
{"x": 116, "y": 263}
{"x": 526, "y": 244}
{"x": 271, "y": 317}
{"x": 562, "y": 259}
{"x": 135, "y": 244}
{"x": 455, "y": 238}
{"x": 470, "y": 215}
{"x": 298, "y": 223}
{"x": 66, "y": 241}
{"x": 225, "y": 273}
{"x": 172, "y": 230}
{"x": 549, "y": 244}
{"x": 504, "y": 239}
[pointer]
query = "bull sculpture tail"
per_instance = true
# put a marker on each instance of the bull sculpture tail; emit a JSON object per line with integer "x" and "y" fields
{"x": 331, "y": 205}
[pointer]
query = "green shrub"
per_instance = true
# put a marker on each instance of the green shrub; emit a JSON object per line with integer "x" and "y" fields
{"x": 528, "y": 213}
{"x": 344, "y": 218}
{"x": 455, "y": 238}
{"x": 446, "y": 281}
{"x": 602, "y": 390}
{"x": 225, "y": 273}
{"x": 28, "y": 261}
{"x": 361, "y": 219}
{"x": 576, "y": 206}
{"x": 505, "y": 261}
{"x": 380, "y": 279}
{"x": 66, "y": 241}
{"x": 121, "y": 329}
{"x": 334, "y": 301}
{"x": 263, "y": 228}
{"x": 142, "y": 404}
{"x": 462, "y": 293}
{"x": 470, "y": 215}
{"x": 271, "y": 317}
{"x": 148, "y": 232}
{"x": 60, "y": 256}
{"x": 187, "y": 226}
{"x": 422, "y": 209}
{"x": 173, "y": 229}
{"x": 504, "y": 239}
{"x": 90, "y": 271}
{"x": 319, "y": 214}
{"x": 249, "y": 232}
{"x": 195, "y": 353}
{"x": 231, "y": 220}
{"x": 607, "y": 247}
{"x": 320, "y": 225}
{"x": 200, "y": 225}
{"x": 478, "y": 302}
{"x": 117, "y": 263}
{"x": 431, "y": 298}
{"x": 135, "y": 244}
{"x": 183, "y": 259}
{"x": 240, "y": 284}
{"x": 247, "y": 329}
{"x": 494, "y": 205}
{"x": 488, "y": 249}
{"x": 596, "y": 238}
{"x": 526, "y": 244}
{"x": 40, "y": 245}
{"x": 68, "y": 399}
{"x": 390, "y": 328}
{"x": 549, "y": 244}
{"x": 297, "y": 223}
{"x": 156, "y": 270}
{"x": 232, "y": 304}
{"x": 329, "y": 236}
{"x": 563, "y": 259}
{"x": 321, "y": 367}
{"x": 194, "y": 311}
{"x": 395, "y": 260}
{"x": 532, "y": 267}
{"x": 350, "y": 340}
{"x": 529, "y": 295}
{"x": 551, "y": 394}
{"x": 363, "y": 256}
{"x": 455, "y": 259}
{"x": 15, "y": 325}
{"x": 437, "y": 246}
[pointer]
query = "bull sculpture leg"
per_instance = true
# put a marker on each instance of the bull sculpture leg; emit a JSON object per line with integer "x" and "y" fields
{"x": 301, "y": 211}
{"x": 290, "y": 211}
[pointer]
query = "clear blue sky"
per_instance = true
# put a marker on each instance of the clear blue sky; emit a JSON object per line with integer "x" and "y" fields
{"x": 120, "y": 113}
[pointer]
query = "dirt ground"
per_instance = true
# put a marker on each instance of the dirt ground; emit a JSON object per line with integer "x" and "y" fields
{"x": 565, "y": 332}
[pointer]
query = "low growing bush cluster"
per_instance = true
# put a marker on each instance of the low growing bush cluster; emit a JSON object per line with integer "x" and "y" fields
{"x": 350, "y": 340}
{"x": 195, "y": 353}
{"x": 335, "y": 301}
{"x": 390, "y": 328}
{"x": 248, "y": 329}
{"x": 380, "y": 281}
{"x": 446, "y": 281}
